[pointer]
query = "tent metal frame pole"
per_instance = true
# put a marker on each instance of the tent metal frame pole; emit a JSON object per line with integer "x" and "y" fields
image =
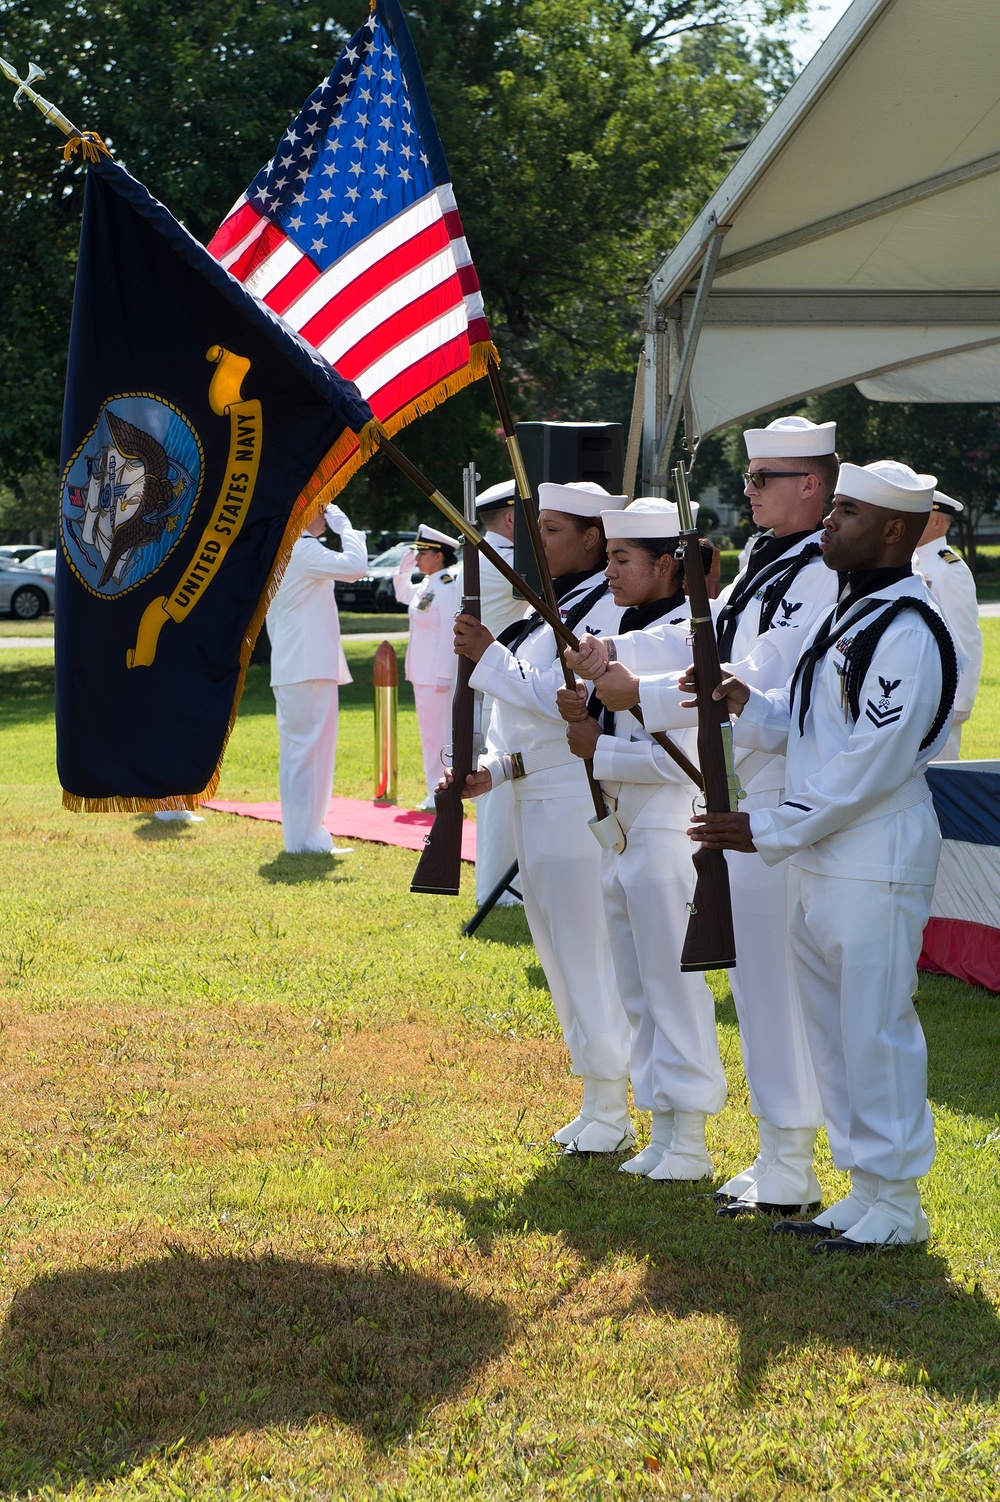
{"x": 678, "y": 397}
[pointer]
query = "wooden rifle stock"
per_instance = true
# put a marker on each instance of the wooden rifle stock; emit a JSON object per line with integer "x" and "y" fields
{"x": 709, "y": 943}
{"x": 439, "y": 869}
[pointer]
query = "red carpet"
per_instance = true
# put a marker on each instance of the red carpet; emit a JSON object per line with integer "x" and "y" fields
{"x": 357, "y": 820}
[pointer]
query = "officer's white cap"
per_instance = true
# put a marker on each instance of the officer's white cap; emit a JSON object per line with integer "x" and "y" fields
{"x": 426, "y": 534}
{"x": 791, "y": 438}
{"x": 497, "y": 495}
{"x": 581, "y": 498}
{"x": 946, "y": 503}
{"x": 889, "y": 484}
{"x": 648, "y": 516}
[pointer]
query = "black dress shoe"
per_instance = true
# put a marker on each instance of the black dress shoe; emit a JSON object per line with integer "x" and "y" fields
{"x": 737, "y": 1208}
{"x": 805, "y": 1230}
{"x": 843, "y": 1244}
{"x": 722, "y": 1198}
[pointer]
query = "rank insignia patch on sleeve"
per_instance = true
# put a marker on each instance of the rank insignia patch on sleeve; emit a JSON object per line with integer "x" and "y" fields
{"x": 885, "y": 712}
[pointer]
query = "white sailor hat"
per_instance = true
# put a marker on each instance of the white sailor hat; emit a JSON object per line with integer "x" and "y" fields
{"x": 887, "y": 483}
{"x": 430, "y": 537}
{"x": 791, "y": 438}
{"x": 648, "y": 516}
{"x": 497, "y": 496}
{"x": 946, "y": 503}
{"x": 579, "y": 498}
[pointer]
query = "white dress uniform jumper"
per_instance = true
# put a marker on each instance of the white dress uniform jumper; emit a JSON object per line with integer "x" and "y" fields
{"x": 560, "y": 861}
{"x": 763, "y": 617}
{"x": 674, "y": 1059}
{"x": 307, "y": 665}
{"x": 953, "y": 589}
{"x": 870, "y": 704}
{"x": 495, "y": 851}
{"x": 431, "y": 664}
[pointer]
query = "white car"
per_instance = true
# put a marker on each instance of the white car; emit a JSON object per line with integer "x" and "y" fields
{"x": 25, "y": 593}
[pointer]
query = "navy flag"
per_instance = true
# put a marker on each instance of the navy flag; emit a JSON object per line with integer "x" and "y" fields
{"x": 199, "y": 435}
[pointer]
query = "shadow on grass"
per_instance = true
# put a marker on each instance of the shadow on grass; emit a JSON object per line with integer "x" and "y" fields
{"x": 293, "y": 870}
{"x": 164, "y": 830}
{"x": 101, "y": 1368}
{"x": 775, "y": 1294}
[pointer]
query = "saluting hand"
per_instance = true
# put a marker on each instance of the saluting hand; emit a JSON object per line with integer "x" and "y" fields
{"x": 617, "y": 688}
{"x": 592, "y": 658}
{"x": 722, "y": 831}
{"x": 471, "y": 637}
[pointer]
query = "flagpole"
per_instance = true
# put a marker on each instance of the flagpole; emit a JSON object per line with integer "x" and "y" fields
{"x": 24, "y": 90}
{"x": 551, "y": 617}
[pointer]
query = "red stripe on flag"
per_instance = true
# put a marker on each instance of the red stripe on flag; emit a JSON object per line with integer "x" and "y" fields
{"x": 406, "y": 257}
{"x": 265, "y": 245}
{"x": 467, "y": 276}
{"x": 292, "y": 285}
{"x": 454, "y": 222}
{"x": 420, "y": 377}
{"x": 479, "y": 331}
{"x": 232, "y": 230}
{"x": 400, "y": 327}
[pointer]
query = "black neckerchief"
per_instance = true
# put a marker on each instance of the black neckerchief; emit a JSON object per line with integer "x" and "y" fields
{"x": 512, "y": 637}
{"x": 774, "y": 565}
{"x": 867, "y": 581}
{"x": 767, "y": 549}
{"x": 638, "y": 617}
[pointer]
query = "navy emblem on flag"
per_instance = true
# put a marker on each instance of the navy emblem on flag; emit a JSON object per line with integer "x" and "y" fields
{"x": 128, "y": 493}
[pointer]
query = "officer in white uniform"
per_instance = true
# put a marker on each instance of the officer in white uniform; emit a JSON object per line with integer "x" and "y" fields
{"x": 307, "y": 665}
{"x": 559, "y": 858}
{"x": 495, "y": 852}
{"x": 953, "y": 587}
{"x": 869, "y": 705}
{"x": 430, "y": 654}
{"x": 674, "y": 1053}
{"x": 762, "y": 619}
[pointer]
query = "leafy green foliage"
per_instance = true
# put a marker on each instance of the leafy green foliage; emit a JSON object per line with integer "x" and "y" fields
{"x": 580, "y": 135}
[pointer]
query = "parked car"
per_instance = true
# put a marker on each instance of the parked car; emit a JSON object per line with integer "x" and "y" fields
{"x": 25, "y": 594}
{"x": 43, "y": 562}
{"x": 374, "y": 590}
{"x": 17, "y": 552}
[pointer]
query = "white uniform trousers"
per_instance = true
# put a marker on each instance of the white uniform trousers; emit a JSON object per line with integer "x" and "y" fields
{"x": 495, "y": 851}
{"x": 674, "y": 1055}
{"x": 434, "y": 723}
{"x": 307, "y": 735}
{"x": 773, "y": 1040}
{"x": 855, "y": 946}
{"x": 560, "y": 880}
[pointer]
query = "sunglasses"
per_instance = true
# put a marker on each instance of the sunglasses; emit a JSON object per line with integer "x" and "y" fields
{"x": 758, "y": 478}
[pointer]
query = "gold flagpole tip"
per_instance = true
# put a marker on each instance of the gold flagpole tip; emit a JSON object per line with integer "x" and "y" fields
{"x": 48, "y": 110}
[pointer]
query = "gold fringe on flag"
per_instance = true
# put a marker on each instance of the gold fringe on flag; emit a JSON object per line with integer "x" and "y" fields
{"x": 88, "y": 143}
{"x": 334, "y": 470}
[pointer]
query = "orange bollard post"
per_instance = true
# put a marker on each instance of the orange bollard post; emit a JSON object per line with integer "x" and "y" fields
{"x": 386, "y": 679}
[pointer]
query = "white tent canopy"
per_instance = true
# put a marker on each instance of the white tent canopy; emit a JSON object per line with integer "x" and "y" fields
{"x": 857, "y": 239}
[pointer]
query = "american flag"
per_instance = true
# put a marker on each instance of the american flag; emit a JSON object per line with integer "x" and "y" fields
{"x": 352, "y": 235}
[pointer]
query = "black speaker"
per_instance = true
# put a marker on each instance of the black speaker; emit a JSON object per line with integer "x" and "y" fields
{"x": 562, "y": 452}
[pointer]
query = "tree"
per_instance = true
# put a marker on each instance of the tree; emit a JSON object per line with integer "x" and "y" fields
{"x": 581, "y": 135}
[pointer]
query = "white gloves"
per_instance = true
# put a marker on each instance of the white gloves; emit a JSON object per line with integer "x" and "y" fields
{"x": 336, "y": 519}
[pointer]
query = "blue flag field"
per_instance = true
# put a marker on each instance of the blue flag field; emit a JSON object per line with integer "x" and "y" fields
{"x": 199, "y": 434}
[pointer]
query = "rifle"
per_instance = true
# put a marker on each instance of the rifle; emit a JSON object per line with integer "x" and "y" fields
{"x": 439, "y": 869}
{"x": 709, "y": 943}
{"x": 552, "y": 618}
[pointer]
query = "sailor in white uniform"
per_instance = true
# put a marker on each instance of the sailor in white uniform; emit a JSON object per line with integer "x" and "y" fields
{"x": 674, "y": 1053}
{"x": 307, "y": 667}
{"x": 868, "y": 706}
{"x": 430, "y": 655}
{"x": 762, "y": 619}
{"x": 559, "y": 858}
{"x": 953, "y": 587}
{"x": 499, "y": 609}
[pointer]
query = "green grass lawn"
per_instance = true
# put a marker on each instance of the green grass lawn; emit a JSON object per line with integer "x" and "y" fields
{"x": 279, "y": 1218}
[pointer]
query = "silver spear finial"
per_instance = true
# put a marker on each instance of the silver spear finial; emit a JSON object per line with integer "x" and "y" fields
{"x": 25, "y": 91}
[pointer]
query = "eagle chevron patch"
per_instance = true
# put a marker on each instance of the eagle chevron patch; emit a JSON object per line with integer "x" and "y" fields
{"x": 881, "y": 717}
